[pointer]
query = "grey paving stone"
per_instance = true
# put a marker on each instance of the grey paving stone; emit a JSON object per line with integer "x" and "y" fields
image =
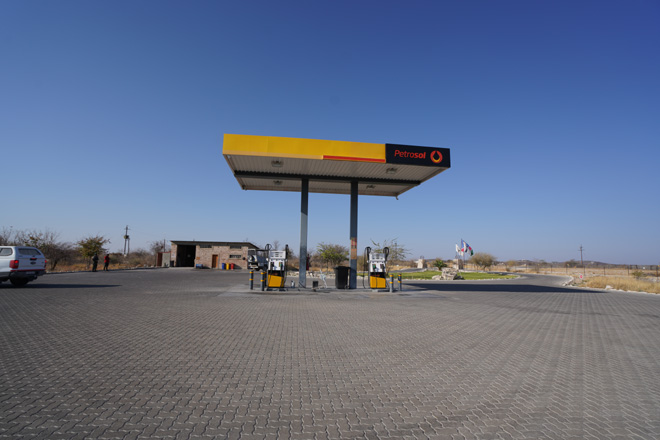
{"x": 180, "y": 353}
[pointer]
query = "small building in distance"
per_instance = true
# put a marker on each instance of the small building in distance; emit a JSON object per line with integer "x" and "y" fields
{"x": 210, "y": 254}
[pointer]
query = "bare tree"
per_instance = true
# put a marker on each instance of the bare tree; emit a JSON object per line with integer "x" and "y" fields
{"x": 158, "y": 246}
{"x": 7, "y": 236}
{"x": 47, "y": 242}
{"x": 38, "y": 239}
{"x": 483, "y": 260}
{"x": 398, "y": 252}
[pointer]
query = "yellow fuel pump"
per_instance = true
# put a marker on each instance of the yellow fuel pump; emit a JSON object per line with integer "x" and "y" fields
{"x": 276, "y": 269}
{"x": 377, "y": 267}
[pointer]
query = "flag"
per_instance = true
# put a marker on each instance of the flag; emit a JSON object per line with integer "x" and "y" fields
{"x": 466, "y": 247}
{"x": 458, "y": 251}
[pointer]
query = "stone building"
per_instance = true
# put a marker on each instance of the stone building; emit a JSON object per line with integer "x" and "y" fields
{"x": 210, "y": 254}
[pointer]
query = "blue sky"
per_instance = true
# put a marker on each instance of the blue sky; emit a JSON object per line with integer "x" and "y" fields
{"x": 113, "y": 113}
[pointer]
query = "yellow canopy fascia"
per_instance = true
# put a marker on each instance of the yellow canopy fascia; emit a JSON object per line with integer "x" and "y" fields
{"x": 270, "y": 146}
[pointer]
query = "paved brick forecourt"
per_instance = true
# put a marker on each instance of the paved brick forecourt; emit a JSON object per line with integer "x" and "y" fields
{"x": 179, "y": 353}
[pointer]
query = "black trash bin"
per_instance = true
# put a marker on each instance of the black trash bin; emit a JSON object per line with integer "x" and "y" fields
{"x": 341, "y": 277}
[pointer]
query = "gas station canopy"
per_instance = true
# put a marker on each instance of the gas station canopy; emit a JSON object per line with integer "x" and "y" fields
{"x": 279, "y": 164}
{"x": 310, "y": 165}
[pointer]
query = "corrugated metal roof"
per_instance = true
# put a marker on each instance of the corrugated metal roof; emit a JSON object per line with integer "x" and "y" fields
{"x": 213, "y": 243}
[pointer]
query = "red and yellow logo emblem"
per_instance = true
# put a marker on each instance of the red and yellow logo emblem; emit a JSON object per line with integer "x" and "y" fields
{"x": 436, "y": 156}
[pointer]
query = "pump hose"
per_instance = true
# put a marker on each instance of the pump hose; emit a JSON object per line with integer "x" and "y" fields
{"x": 365, "y": 265}
{"x": 286, "y": 260}
{"x": 386, "y": 251}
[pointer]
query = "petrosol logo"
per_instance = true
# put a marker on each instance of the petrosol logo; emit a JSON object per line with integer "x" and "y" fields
{"x": 436, "y": 156}
{"x": 418, "y": 156}
{"x": 411, "y": 155}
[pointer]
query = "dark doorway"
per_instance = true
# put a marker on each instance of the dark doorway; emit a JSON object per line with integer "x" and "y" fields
{"x": 185, "y": 255}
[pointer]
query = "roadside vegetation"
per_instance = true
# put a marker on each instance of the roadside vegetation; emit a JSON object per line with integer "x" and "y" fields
{"x": 620, "y": 283}
{"x": 483, "y": 260}
{"x": 69, "y": 257}
{"x": 66, "y": 257}
{"x": 485, "y": 276}
{"x": 428, "y": 275}
{"x": 330, "y": 255}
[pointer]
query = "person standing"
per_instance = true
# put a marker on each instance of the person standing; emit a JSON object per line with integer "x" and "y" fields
{"x": 95, "y": 262}
{"x": 106, "y": 262}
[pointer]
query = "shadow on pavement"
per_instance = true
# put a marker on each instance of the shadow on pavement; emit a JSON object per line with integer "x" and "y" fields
{"x": 57, "y": 286}
{"x": 479, "y": 287}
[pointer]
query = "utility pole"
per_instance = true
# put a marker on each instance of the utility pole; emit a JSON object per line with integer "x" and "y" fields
{"x": 584, "y": 271}
{"x": 127, "y": 242}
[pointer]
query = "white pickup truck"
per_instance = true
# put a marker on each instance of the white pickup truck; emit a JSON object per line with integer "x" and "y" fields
{"x": 21, "y": 264}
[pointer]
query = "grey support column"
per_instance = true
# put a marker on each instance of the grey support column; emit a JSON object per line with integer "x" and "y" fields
{"x": 304, "y": 199}
{"x": 352, "y": 282}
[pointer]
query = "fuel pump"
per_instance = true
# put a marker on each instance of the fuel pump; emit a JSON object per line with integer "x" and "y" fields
{"x": 257, "y": 259}
{"x": 377, "y": 267}
{"x": 276, "y": 271}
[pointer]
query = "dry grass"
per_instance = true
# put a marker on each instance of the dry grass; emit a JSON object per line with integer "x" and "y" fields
{"x": 82, "y": 267}
{"x": 619, "y": 283}
{"x": 599, "y": 278}
{"x": 75, "y": 267}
